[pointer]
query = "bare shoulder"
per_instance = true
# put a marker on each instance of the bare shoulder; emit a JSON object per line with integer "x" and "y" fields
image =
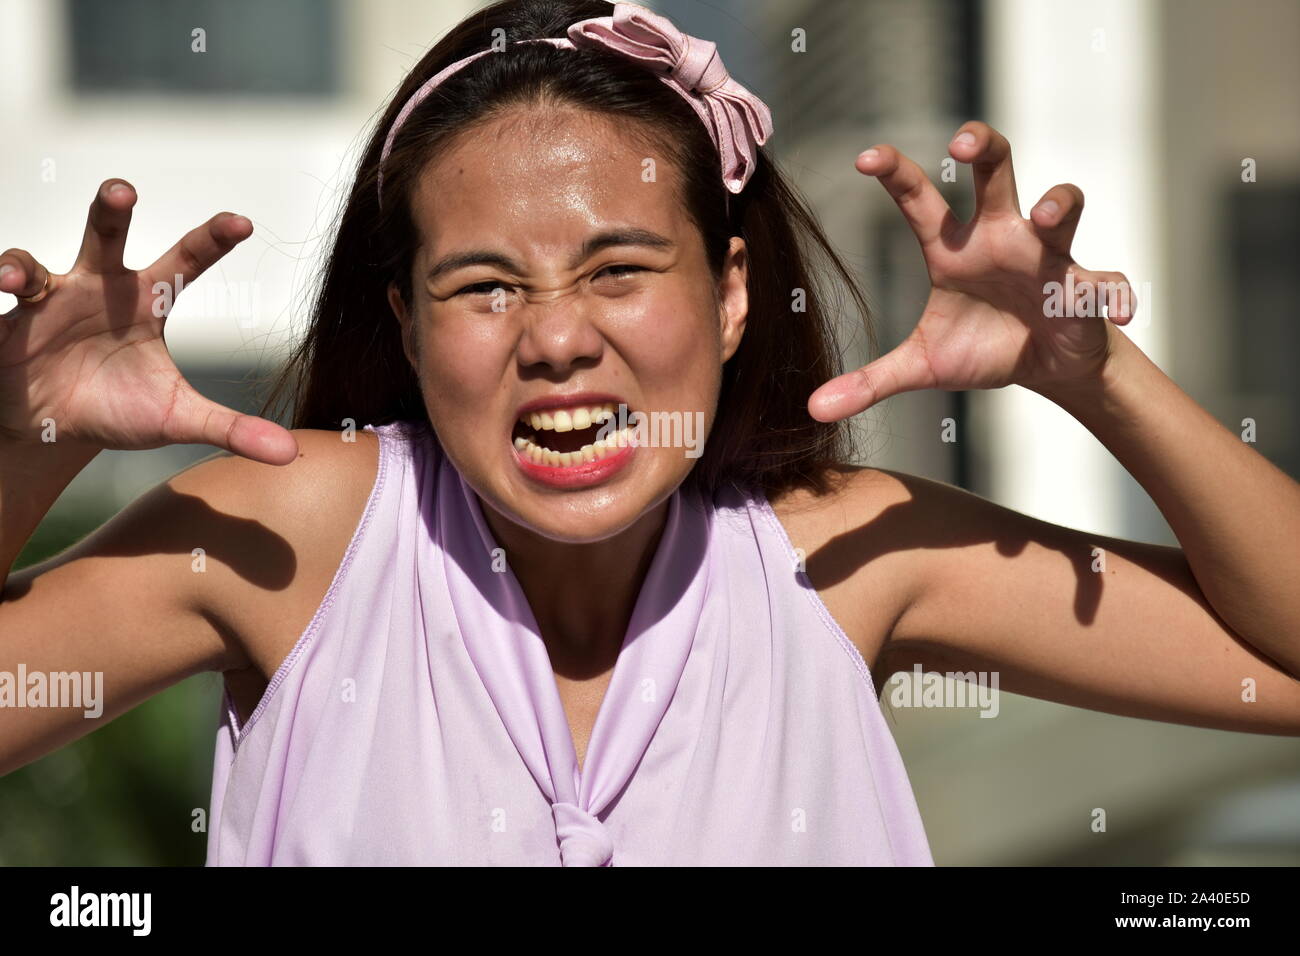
{"x": 290, "y": 498}
{"x": 859, "y": 538}
{"x": 272, "y": 536}
{"x": 218, "y": 568}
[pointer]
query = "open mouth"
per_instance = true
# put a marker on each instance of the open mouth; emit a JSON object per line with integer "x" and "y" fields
{"x": 568, "y": 436}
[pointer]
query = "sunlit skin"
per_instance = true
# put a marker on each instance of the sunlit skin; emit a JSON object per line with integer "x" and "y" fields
{"x": 917, "y": 572}
{"x": 984, "y": 325}
{"x": 905, "y": 564}
{"x": 649, "y": 325}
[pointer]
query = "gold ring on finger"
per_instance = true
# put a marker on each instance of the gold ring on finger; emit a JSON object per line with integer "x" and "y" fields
{"x": 44, "y": 291}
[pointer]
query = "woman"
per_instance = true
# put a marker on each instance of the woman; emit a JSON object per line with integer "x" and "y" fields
{"x": 490, "y": 625}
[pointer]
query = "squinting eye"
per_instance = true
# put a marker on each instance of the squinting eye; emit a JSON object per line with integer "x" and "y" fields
{"x": 635, "y": 268}
{"x": 487, "y": 288}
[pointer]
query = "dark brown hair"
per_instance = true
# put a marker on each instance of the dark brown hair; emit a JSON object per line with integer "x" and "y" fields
{"x": 351, "y": 363}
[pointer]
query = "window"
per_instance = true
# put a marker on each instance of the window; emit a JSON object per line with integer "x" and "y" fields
{"x": 251, "y": 47}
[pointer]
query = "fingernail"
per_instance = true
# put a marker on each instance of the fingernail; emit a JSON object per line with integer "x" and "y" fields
{"x": 5, "y": 270}
{"x": 869, "y": 154}
{"x": 241, "y": 220}
{"x": 116, "y": 188}
{"x": 830, "y": 400}
{"x": 965, "y": 139}
{"x": 1050, "y": 207}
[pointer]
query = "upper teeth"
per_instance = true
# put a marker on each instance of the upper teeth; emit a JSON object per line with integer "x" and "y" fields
{"x": 567, "y": 419}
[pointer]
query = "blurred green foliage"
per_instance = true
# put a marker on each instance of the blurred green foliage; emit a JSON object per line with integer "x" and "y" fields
{"x": 125, "y": 795}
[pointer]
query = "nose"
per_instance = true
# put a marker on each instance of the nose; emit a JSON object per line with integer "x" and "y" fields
{"x": 558, "y": 333}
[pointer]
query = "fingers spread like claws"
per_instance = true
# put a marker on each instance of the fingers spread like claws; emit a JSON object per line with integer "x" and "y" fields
{"x": 195, "y": 419}
{"x": 26, "y": 278}
{"x": 106, "y": 228}
{"x": 925, "y": 210}
{"x": 200, "y": 248}
{"x": 1056, "y": 216}
{"x": 1109, "y": 289}
{"x": 989, "y": 153}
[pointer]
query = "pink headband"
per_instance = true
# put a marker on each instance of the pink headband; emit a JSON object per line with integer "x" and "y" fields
{"x": 737, "y": 120}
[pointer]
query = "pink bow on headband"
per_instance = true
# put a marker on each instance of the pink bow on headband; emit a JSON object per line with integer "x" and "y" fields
{"x": 737, "y": 120}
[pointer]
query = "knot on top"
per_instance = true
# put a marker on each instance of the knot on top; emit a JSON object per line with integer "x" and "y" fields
{"x": 738, "y": 121}
{"x": 584, "y": 841}
{"x": 699, "y": 68}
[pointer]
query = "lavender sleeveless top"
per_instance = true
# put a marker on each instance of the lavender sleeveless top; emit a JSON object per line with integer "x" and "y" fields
{"x": 417, "y": 719}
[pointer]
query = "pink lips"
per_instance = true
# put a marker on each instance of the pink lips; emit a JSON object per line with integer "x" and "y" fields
{"x": 582, "y": 473}
{"x": 575, "y": 476}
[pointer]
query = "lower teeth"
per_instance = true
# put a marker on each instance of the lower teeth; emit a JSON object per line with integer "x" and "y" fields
{"x": 588, "y": 453}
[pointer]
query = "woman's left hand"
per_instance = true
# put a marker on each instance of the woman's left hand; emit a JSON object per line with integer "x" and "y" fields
{"x": 992, "y": 318}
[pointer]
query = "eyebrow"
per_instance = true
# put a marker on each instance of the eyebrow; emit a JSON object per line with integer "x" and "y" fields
{"x": 594, "y": 244}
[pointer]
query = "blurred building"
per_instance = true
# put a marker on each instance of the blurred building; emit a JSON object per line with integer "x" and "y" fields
{"x": 1153, "y": 107}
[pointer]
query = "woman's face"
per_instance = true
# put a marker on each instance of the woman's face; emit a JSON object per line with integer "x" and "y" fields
{"x": 553, "y": 284}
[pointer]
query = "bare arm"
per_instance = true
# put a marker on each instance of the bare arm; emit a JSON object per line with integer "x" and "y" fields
{"x": 1208, "y": 634}
{"x": 117, "y": 606}
{"x": 1236, "y": 515}
{"x": 1000, "y": 591}
{"x": 216, "y": 569}
{"x": 31, "y": 479}
{"x": 83, "y": 366}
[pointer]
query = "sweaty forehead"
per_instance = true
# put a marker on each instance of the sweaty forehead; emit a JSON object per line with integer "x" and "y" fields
{"x": 540, "y": 178}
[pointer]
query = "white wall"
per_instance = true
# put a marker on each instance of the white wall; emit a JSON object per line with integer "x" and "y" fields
{"x": 1073, "y": 87}
{"x": 281, "y": 162}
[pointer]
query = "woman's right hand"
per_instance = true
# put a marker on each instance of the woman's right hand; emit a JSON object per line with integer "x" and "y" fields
{"x": 90, "y": 354}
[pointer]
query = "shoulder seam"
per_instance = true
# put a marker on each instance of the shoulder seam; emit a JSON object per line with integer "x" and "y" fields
{"x": 819, "y": 607}
{"x": 309, "y": 632}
